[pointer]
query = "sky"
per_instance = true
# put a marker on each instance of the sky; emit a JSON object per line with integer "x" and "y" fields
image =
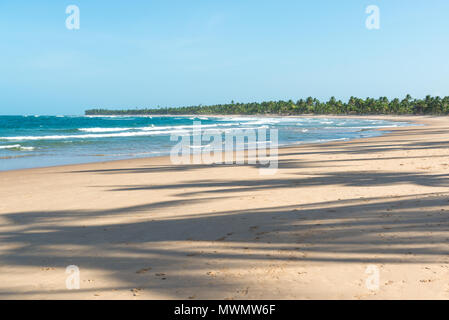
{"x": 129, "y": 54}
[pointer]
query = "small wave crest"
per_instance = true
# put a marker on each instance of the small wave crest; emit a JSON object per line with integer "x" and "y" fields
{"x": 16, "y": 147}
{"x": 94, "y": 130}
{"x": 143, "y": 132}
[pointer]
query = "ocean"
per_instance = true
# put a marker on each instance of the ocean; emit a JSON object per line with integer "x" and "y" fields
{"x": 41, "y": 141}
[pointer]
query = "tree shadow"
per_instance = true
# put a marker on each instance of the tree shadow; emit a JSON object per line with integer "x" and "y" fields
{"x": 183, "y": 247}
{"x": 354, "y": 179}
{"x": 187, "y": 249}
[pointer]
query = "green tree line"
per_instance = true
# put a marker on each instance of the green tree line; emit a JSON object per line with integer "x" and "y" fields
{"x": 382, "y": 105}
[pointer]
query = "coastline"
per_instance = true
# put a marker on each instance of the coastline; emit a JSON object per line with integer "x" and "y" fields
{"x": 405, "y": 119}
{"x": 146, "y": 229}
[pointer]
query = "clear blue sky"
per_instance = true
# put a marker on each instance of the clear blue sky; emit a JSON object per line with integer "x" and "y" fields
{"x": 176, "y": 53}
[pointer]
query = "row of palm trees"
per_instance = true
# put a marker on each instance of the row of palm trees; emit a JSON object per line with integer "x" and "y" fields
{"x": 382, "y": 105}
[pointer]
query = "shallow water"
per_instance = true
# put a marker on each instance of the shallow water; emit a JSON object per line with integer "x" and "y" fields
{"x": 39, "y": 141}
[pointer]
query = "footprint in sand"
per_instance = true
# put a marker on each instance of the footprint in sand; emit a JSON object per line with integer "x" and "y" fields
{"x": 244, "y": 291}
{"x": 143, "y": 270}
{"x": 136, "y": 291}
{"x": 224, "y": 237}
{"x": 425, "y": 281}
{"x": 193, "y": 254}
{"x": 47, "y": 269}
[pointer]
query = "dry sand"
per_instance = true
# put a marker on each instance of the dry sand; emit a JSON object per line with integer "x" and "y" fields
{"x": 147, "y": 229}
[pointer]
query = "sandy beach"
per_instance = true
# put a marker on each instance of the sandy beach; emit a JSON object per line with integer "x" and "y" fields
{"x": 148, "y": 229}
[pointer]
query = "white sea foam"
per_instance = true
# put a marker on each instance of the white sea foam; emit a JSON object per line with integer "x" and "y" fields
{"x": 14, "y": 146}
{"x": 151, "y": 132}
{"x": 17, "y": 146}
{"x": 89, "y": 136}
{"x": 362, "y": 127}
{"x": 152, "y": 128}
{"x": 104, "y": 129}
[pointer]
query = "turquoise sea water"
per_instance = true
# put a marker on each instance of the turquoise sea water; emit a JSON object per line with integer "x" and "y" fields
{"x": 40, "y": 141}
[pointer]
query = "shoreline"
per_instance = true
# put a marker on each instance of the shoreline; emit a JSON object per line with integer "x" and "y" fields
{"x": 148, "y": 229}
{"x": 373, "y": 117}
